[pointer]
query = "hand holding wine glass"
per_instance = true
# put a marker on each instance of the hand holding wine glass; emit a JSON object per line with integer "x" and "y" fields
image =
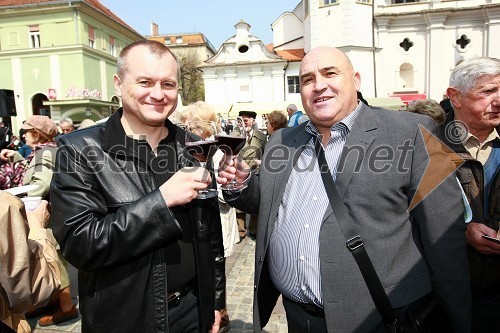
{"x": 231, "y": 146}
{"x": 233, "y": 170}
{"x": 201, "y": 144}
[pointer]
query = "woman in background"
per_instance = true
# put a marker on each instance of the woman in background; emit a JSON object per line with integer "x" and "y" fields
{"x": 275, "y": 121}
{"x": 40, "y": 164}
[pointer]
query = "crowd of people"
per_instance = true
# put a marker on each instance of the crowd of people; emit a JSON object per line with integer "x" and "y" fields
{"x": 328, "y": 194}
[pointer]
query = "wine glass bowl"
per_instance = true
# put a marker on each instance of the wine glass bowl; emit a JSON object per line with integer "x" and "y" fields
{"x": 201, "y": 150}
{"x": 201, "y": 144}
{"x": 231, "y": 145}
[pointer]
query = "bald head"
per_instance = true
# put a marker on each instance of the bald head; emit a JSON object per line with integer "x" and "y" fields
{"x": 328, "y": 86}
{"x": 333, "y": 52}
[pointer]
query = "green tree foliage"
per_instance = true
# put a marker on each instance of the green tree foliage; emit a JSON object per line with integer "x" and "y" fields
{"x": 191, "y": 80}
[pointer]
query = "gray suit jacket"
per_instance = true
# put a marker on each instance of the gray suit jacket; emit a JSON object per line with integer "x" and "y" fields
{"x": 413, "y": 251}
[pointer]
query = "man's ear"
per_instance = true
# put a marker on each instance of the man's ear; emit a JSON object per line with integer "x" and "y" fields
{"x": 357, "y": 80}
{"x": 118, "y": 85}
{"x": 453, "y": 95}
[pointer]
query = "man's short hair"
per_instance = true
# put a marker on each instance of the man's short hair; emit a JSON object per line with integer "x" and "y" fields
{"x": 464, "y": 76}
{"x": 66, "y": 120}
{"x": 155, "y": 47}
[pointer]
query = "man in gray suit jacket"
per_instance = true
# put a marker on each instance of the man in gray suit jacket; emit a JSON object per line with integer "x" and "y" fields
{"x": 378, "y": 159}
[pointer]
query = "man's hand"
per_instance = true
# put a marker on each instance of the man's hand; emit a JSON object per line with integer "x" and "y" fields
{"x": 39, "y": 217}
{"x": 474, "y": 235}
{"x": 184, "y": 185}
{"x": 232, "y": 168}
{"x": 216, "y": 325}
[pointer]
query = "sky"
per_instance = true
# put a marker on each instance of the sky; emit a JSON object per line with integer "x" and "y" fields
{"x": 214, "y": 18}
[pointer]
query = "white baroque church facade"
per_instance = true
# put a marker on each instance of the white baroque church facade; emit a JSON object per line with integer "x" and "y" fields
{"x": 404, "y": 48}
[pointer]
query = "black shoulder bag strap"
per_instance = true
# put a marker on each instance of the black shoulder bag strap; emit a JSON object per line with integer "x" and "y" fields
{"x": 353, "y": 240}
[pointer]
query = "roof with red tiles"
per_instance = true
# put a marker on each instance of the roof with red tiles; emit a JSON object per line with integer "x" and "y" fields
{"x": 291, "y": 54}
{"x": 93, "y": 3}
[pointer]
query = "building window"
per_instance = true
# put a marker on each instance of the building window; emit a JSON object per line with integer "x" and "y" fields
{"x": 463, "y": 41}
{"x": 293, "y": 85}
{"x": 405, "y": 1}
{"x": 406, "y": 44}
{"x": 406, "y": 76}
{"x": 91, "y": 37}
{"x": 178, "y": 40}
{"x": 243, "y": 48}
{"x": 112, "y": 48}
{"x": 329, "y": 2}
{"x": 168, "y": 41}
{"x": 34, "y": 36}
{"x": 364, "y": 1}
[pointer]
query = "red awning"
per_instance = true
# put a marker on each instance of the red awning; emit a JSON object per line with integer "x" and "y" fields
{"x": 407, "y": 98}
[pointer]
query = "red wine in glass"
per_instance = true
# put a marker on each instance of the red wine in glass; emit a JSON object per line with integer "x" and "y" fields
{"x": 201, "y": 150}
{"x": 200, "y": 144}
{"x": 231, "y": 145}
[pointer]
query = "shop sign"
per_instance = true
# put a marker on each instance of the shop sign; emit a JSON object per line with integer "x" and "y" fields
{"x": 73, "y": 92}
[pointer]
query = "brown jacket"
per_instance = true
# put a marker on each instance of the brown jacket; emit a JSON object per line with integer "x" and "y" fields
{"x": 484, "y": 269}
{"x": 29, "y": 271}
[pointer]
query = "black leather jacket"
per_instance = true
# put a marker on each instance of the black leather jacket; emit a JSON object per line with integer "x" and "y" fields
{"x": 484, "y": 269}
{"x": 113, "y": 224}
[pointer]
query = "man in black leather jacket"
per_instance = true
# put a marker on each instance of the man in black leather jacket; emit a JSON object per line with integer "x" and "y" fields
{"x": 150, "y": 256}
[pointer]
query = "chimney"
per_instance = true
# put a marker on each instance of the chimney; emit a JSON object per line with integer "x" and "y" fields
{"x": 154, "y": 29}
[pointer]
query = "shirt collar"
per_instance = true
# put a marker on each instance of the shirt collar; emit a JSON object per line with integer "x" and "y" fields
{"x": 347, "y": 122}
{"x": 491, "y": 137}
{"x": 115, "y": 139}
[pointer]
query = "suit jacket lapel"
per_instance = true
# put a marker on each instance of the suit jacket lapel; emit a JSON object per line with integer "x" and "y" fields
{"x": 358, "y": 141}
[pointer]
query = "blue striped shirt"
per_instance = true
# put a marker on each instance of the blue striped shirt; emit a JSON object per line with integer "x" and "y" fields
{"x": 294, "y": 262}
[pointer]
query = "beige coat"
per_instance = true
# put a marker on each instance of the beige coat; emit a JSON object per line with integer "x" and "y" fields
{"x": 39, "y": 171}
{"x": 29, "y": 271}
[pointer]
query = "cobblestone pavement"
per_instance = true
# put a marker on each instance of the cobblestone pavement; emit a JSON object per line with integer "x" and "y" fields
{"x": 239, "y": 271}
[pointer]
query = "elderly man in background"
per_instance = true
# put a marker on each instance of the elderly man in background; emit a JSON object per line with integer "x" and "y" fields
{"x": 295, "y": 116}
{"x": 66, "y": 125}
{"x": 474, "y": 93}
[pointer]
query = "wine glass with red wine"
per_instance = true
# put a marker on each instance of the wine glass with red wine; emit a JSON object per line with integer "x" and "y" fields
{"x": 231, "y": 144}
{"x": 201, "y": 144}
